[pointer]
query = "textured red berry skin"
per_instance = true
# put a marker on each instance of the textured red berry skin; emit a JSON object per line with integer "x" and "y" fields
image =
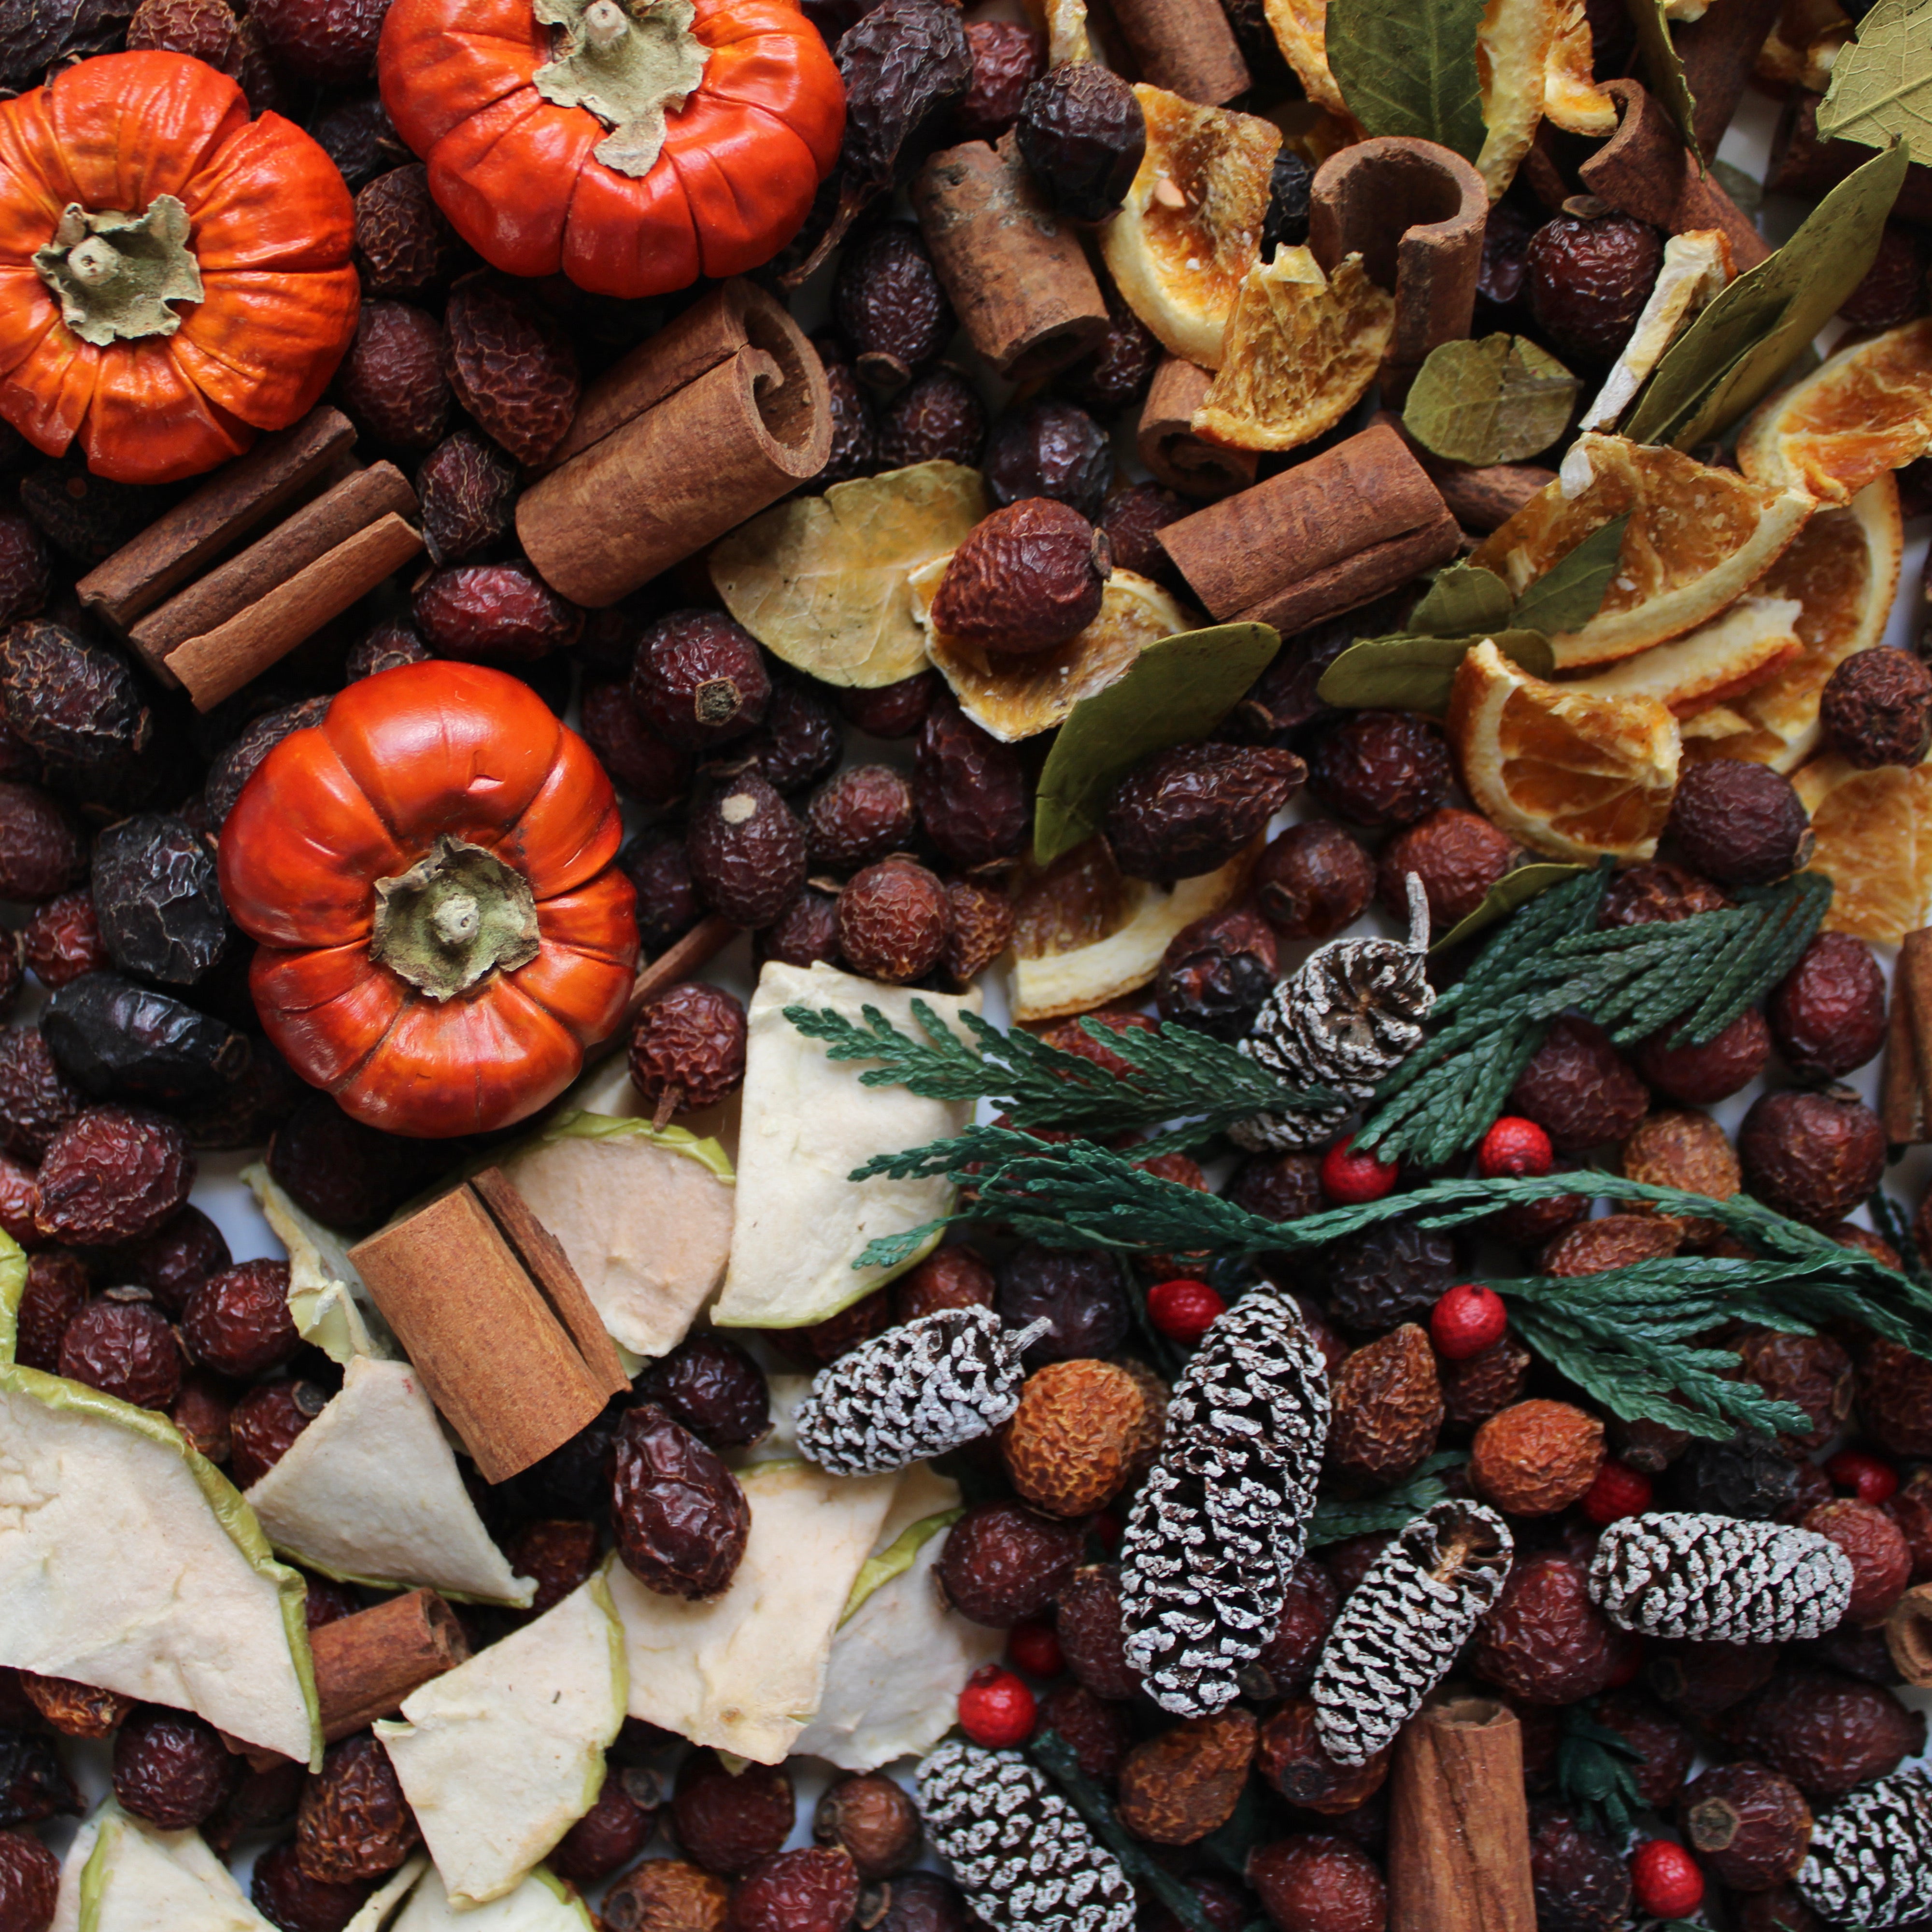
{"x": 1666, "y": 1880}
{"x": 996, "y": 1709}
{"x": 1618, "y": 1491}
{"x": 1182, "y": 1310}
{"x": 1513, "y": 1147}
{"x": 1348, "y": 1178}
{"x": 1467, "y": 1320}
{"x": 1869, "y": 1477}
{"x": 1034, "y": 1647}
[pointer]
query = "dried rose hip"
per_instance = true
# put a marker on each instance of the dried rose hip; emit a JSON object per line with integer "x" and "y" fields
{"x": 1288, "y": 1660}
{"x": 937, "y": 418}
{"x": 1003, "y": 1563}
{"x": 1082, "y": 133}
{"x": 29, "y": 1882}
{"x": 687, "y": 1051}
{"x": 1187, "y": 811}
{"x": 1216, "y": 974}
{"x": 1136, "y": 515}
{"x": 748, "y": 850}
{"x": 1880, "y": 1558}
{"x": 1457, "y": 855}
{"x": 1578, "y": 1880}
{"x": 354, "y": 1822}
{"x": 801, "y": 739}
{"x": 813, "y": 1890}
{"x": 287, "y": 1898}
{"x": 201, "y": 1412}
{"x": 1750, "y": 1827}
{"x": 1321, "y": 1883}
{"x": 713, "y": 1388}
{"x": 699, "y": 679}
{"x": 953, "y": 1276}
{"x": 1082, "y": 1295}
{"x": 348, "y": 1176}
{"x": 1113, "y": 375}
{"x": 680, "y": 1516}
{"x": 41, "y": 850}
{"x": 1293, "y": 1761}
{"x": 1026, "y": 578}
{"x": 68, "y": 698}
{"x": 1588, "y": 280}
{"x": 640, "y": 763}
{"x": 74, "y": 1709}
{"x": 874, "y": 1819}
{"x": 888, "y": 304}
{"x": 124, "y": 1347}
{"x": 1828, "y": 1734}
{"x": 892, "y": 920}
{"x": 404, "y": 245}
{"x": 1827, "y": 1014}
{"x": 1007, "y": 59}
{"x": 860, "y": 817}
{"x": 667, "y": 1895}
{"x": 804, "y": 933}
{"x": 501, "y": 612}
{"x": 557, "y": 1553}
{"x": 1086, "y": 1620}
{"x": 56, "y": 1290}
{"x": 170, "y": 1767}
{"x": 1313, "y": 879}
{"x": 468, "y": 489}
{"x": 979, "y": 928}
{"x": 1379, "y": 768}
{"x": 24, "y": 578}
{"x": 727, "y": 1823}
{"x": 391, "y": 381}
{"x": 1658, "y": 894}
{"x": 854, "y": 434}
{"x": 612, "y": 1832}
{"x": 971, "y": 790}
{"x": 1877, "y": 709}
{"x": 1544, "y": 1641}
{"x": 1741, "y": 824}
{"x": 657, "y": 865}
{"x": 511, "y": 365}
{"x": 1813, "y": 1156}
{"x": 1578, "y": 1088}
{"x": 33, "y": 1784}
{"x": 1050, "y": 448}
{"x": 238, "y": 1321}
{"x": 264, "y": 1423}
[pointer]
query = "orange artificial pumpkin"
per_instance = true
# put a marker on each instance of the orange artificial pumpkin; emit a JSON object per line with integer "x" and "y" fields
{"x": 173, "y": 276}
{"x": 429, "y": 872}
{"x": 633, "y": 145}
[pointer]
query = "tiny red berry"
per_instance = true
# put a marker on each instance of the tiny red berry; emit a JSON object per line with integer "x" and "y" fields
{"x": 1513, "y": 1147}
{"x": 1348, "y": 1178}
{"x": 1618, "y": 1491}
{"x": 1666, "y": 1880}
{"x": 1183, "y": 1311}
{"x": 1467, "y": 1320}
{"x": 1034, "y": 1647}
{"x": 1869, "y": 1477}
{"x": 996, "y": 1709}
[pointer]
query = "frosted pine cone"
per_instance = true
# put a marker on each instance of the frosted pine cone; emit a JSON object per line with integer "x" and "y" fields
{"x": 1870, "y": 1860}
{"x": 1346, "y": 1022}
{"x": 1220, "y": 1522}
{"x": 914, "y": 1392}
{"x": 1720, "y": 1579}
{"x": 1399, "y": 1630}
{"x": 1024, "y": 1854}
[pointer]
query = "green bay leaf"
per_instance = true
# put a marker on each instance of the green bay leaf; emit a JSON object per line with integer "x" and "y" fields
{"x": 1176, "y": 690}
{"x": 1464, "y": 598}
{"x": 1881, "y": 83}
{"x": 1501, "y": 400}
{"x": 1571, "y": 591}
{"x": 1407, "y": 672}
{"x": 1665, "y": 69}
{"x": 1513, "y": 890}
{"x": 1409, "y": 67}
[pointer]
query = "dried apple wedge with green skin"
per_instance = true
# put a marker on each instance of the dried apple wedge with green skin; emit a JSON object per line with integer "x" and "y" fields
{"x": 328, "y": 1301}
{"x": 123, "y": 1875}
{"x": 379, "y": 1910}
{"x": 541, "y": 1903}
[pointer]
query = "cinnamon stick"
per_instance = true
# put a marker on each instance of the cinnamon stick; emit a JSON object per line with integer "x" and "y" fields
{"x": 1015, "y": 273}
{"x": 366, "y": 1664}
{"x": 1483, "y": 497}
{"x": 1170, "y": 448}
{"x": 496, "y": 1359}
{"x": 1184, "y": 45}
{"x": 1912, "y": 988}
{"x": 1318, "y": 539}
{"x": 1908, "y": 1636}
{"x": 188, "y": 538}
{"x": 1459, "y": 1822}
{"x": 1901, "y": 1088}
{"x": 1718, "y": 53}
{"x": 712, "y": 420}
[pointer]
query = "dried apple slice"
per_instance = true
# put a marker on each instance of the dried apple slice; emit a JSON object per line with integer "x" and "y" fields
{"x": 1718, "y": 662}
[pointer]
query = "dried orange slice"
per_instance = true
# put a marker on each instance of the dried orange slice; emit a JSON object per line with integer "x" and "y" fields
{"x": 1301, "y": 31}
{"x": 1842, "y": 569}
{"x": 1860, "y": 412}
{"x": 1874, "y": 835}
{"x": 1064, "y": 24}
{"x": 1190, "y": 228}
{"x": 1716, "y": 664}
{"x": 1302, "y": 348}
{"x": 1513, "y": 51}
{"x": 1571, "y": 773}
{"x": 1571, "y": 98}
{"x": 1696, "y": 540}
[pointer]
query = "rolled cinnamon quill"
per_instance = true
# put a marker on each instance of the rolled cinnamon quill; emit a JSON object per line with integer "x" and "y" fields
{"x": 1184, "y": 45}
{"x": 713, "y": 419}
{"x": 1318, "y": 539}
{"x": 1459, "y": 1822}
{"x": 1014, "y": 272}
{"x": 1170, "y": 448}
{"x": 366, "y": 1664}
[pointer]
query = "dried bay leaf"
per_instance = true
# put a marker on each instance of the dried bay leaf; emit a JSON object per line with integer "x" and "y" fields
{"x": 821, "y": 581}
{"x": 1882, "y": 84}
{"x": 1513, "y": 890}
{"x": 1665, "y": 69}
{"x": 1177, "y": 691}
{"x": 1501, "y": 400}
{"x": 1407, "y": 673}
{"x": 1732, "y": 356}
{"x": 1465, "y": 599}
{"x": 1571, "y": 591}
{"x": 1409, "y": 66}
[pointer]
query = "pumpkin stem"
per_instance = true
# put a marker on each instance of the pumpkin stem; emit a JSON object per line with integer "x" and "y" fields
{"x": 115, "y": 274}
{"x": 629, "y": 62}
{"x": 454, "y": 918}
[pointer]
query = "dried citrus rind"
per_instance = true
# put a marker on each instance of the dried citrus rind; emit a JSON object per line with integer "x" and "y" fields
{"x": 1861, "y": 412}
{"x": 1571, "y": 98}
{"x": 1514, "y": 47}
{"x": 1697, "y": 264}
{"x": 1300, "y": 28}
{"x": 1569, "y": 772}
{"x": 1016, "y": 697}
{"x": 1737, "y": 651}
{"x": 1190, "y": 228}
{"x": 1063, "y": 22}
{"x": 1302, "y": 349}
{"x": 1874, "y": 842}
{"x": 1697, "y": 539}
{"x": 1843, "y": 568}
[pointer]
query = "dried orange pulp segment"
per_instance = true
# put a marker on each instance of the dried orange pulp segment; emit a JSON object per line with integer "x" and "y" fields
{"x": 1190, "y": 228}
{"x": 1843, "y": 568}
{"x": 1874, "y": 835}
{"x": 1300, "y": 28}
{"x": 1571, "y": 773}
{"x": 1571, "y": 98}
{"x": 1717, "y": 663}
{"x": 1697, "y": 539}
{"x": 1864, "y": 411}
{"x": 1302, "y": 349}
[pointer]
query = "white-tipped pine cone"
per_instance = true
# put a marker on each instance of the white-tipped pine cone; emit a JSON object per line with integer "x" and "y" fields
{"x": 915, "y": 1391}
{"x": 1720, "y": 1579}
{"x": 1399, "y": 1630}
{"x": 1025, "y": 1856}
{"x": 1870, "y": 1860}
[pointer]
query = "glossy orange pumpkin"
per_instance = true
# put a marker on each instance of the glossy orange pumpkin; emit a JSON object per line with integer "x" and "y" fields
{"x": 429, "y": 871}
{"x": 173, "y": 276}
{"x": 712, "y": 183}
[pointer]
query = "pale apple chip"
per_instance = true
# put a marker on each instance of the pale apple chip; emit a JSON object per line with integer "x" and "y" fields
{"x": 1571, "y": 98}
{"x": 1302, "y": 349}
{"x": 1017, "y": 697}
{"x": 820, "y": 581}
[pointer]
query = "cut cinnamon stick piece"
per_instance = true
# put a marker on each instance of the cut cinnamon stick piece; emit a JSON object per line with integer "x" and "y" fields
{"x": 183, "y": 542}
{"x": 366, "y": 1664}
{"x": 1170, "y": 448}
{"x": 1318, "y": 539}
{"x": 1184, "y": 45}
{"x": 1016, "y": 273}
{"x": 1482, "y": 497}
{"x": 504, "y": 1371}
{"x": 1901, "y": 1090}
{"x": 1719, "y": 52}
{"x": 1912, "y": 988}
{"x": 1459, "y": 1822}
{"x": 712, "y": 420}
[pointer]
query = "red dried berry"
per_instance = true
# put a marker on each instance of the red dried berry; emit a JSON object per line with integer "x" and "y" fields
{"x": 748, "y": 851}
{"x": 1579, "y": 1883}
{"x": 1113, "y": 375}
{"x": 712, "y": 1387}
{"x": 953, "y": 1276}
{"x": 891, "y": 710}
{"x": 287, "y": 1898}
{"x": 804, "y": 933}
{"x": 699, "y": 680}
{"x": 19, "y": 1199}
{"x": 263, "y": 1424}
{"x": 1381, "y": 767}
{"x": 1136, "y": 513}
{"x": 1007, "y": 59}
{"x": 1189, "y": 810}
{"x": 1665, "y": 1880}
{"x": 1877, "y": 709}
{"x": 1578, "y": 1088}
{"x": 612, "y": 1832}
{"x": 1288, "y": 1660}
{"x": 1349, "y": 1178}
{"x": 1701, "y": 1076}
{"x": 641, "y": 764}
{"x": 467, "y": 488}
{"x": 876, "y": 1821}
{"x": 1318, "y": 1883}
{"x": 123, "y": 1347}
{"x": 854, "y": 434}
{"x": 41, "y": 849}
{"x": 170, "y": 1767}
{"x": 893, "y": 922}
{"x": 1050, "y": 448}
{"x": 330, "y": 41}
{"x": 1544, "y": 1641}
{"x": 56, "y": 1290}
{"x": 1457, "y": 855}
{"x": 1893, "y": 289}
{"x": 971, "y": 790}
{"x": 1217, "y": 973}
{"x": 392, "y": 380}
{"x": 63, "y": 940}
{"x": 1877, "y": 1549}
{"x": 687, "y": 1051}
{"x": 937, "y": 418}
{"x": 1813, "y": 1156}
{"x": 1080, "y": 1294}
{"x": 1869, "y": 1477}
{"x": 1514, "y": 1147}
{"x": 1003, "y": 1563}
{"x": 1741, "y": 824}
{"x": 1828, "y": 1734}
{"x": 888, "y": 303}
{"x": 980, "y": 926}
{"x": 29, "y": 1882}
{"x": 727, "y": 1822}
{"x": 1588, "y": 279}
{"x": 1291, "y": 1759}
{"x": 1025, "y": 580}
{"x": 25, "y": 572}
{"x": 498, "y": 613}
{"x": 1183, "y": 1311}
{"x": 1034, "y": 1647}
{"x": 511, "y": 365}
{"x": 1827, "y": 1014}
{"x": 996, "y": 1708}
{"x": 1751, "y": 1826}
{"x": 354, "y": 1822}
{"x": 1618, "y": 1491}
{"x": 238, "y": 1321}
{"x": 1469, "y": 1320}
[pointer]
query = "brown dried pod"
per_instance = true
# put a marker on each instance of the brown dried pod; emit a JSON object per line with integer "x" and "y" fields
{"x": 1536, "y": 1458}
{"x": 1750, "y": 1826}
{"x": 354, "y": 1822}
{"x": 1065, "y": 1448}
{"x": 1027, "y": 579}
{"x": 1178, "y": 1787}
{"x": 1689, "y": 1151}
{"x": 874, "y": 1818}
{"x": 1612, "y": 1241}
{"x": 680, "y": 1516}
{"x": 1387, "y": 1408}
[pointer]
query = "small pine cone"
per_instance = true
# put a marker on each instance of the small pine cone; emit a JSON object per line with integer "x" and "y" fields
{"x": 915, "y": 1391}
{"x": 1399, "y": 1630}
{"x": 1720, "y": 1579}
{"x": 1870, "y": 1860}
{"x": 1024, "y": 1854}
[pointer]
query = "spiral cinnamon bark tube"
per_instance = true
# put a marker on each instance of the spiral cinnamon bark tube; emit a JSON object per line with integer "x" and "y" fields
{"x": 1170, "y": 448}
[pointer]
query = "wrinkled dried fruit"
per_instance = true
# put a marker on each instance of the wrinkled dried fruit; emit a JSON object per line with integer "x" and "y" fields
{"x": 893, "y": 922}
{"x": 201, "y": 1412}
{"x": 1027, "y": 579}
{"x": 1050, "y": 448}
{"x": 468, "y": 491}
{"x": 500, "y": 613}
{"x": 860, "y": 817}
{"x": 241, "y": 758}
{"x": 1065, "y": 1448}
{"x": 612, "y": 1832}
{"x": 74, "y": 1709}
{"x": 1187, "y": 811}
{"x": 801, "y": 739}
{"x": 970, "y": 789}
{"x": 238, "y": 1321}
{"x": 1667, "y": 1746}
{"x": 29, "y": 1882}
{"x": 1536, "y": 1458}
{"x": 728, "y": 1822}
{"x": 1392, "y": 1272}
{"x": 63, "y": 940}
{"x": 69, "y": 698}
{"x": 404, "y": 245}
{"x": 557, "y": 1553}
{"x": 1894, "y": 1389}
{"x": 640, "y": 763}
{"x": 979, "y": 928}
{"x": 1457, "y": 855}
{"x": 1387, "y": 1408}
{"x": 1659, "y": 894}
{"x": 392, "y": 380}
{"x": 1813, "y": 1156}
{"x": 813, "y": 1890}
{"x": 1007, "y": 59}
{"x": 904, "y": 63}
{"x": 1578, "y": 1088}
{"x": 55, "y": 1291}
{"x": 354, "y": 1822}
{"x": 1082, "y": 133}
{"x": 1750, "y": 1826}
{"x": 1217, "y": 973}
{"x": 24, "y": 573}
{"x": 287, "y": 1898}
{"x": 170, "y": 1767}
{"x": 124, "y": 1347}
{"x": 1827, "y": 1014}
{"x": 1579, "y": 1883}
{"x": 1811, "y": 1370}
{"x": 1082, "y": 1295}
{"x": 1314, "y": 1883}
{"x": 658, "y": 867}
{"x": 687, "y": 1051}
{"x": 887, "y": 301}
{"x": 1292, "y": 1760}
{"x": 1379, "y": 768}
{"x": 1684, "y": 1150}
{"x": 511, "y": 365}
{"x": 938, "y": 418}
{"x": 1313, "y": 879}
{"x": 156, "y": 897}
{"x": 41, "y": 850}
{"x": 1745, "y": 1475}
{"x": 264, "y": 1423}
{"x": 1588, "y": 280}
{"x": 1876, "y": 1548}
{"x": 1135, "y": 516}
{"x": 1701, "y": 1076}
{"x": 1828, "y": 1734}
{"x": 1877, "y": 709}
{"x": 680, "y": 1517}
{"x": 1087, "y": 1622}
{"x": 854, "y": 434}
{"x": 1178, "y": 1787}
{"x": 667, "y": 1895}
{"x": 712, "y": 1387}
{"x": 357, "y": 136}
{"x": 1003, "y": 1563}
{"x": 1545, "y": 1642}
{"x": 348, "y": 1176}
{"x": 748, "y": 850}
{"x": 874, "y": 1820}
{"x": 1616, "y": 1240}
{"x": 1739, "y": 824}
{"x": 699, "y": 680}
{"x": 113, "y": 1174}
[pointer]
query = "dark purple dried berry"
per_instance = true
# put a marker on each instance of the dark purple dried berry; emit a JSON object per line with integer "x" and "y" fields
{"x": 170, "y": 1767}
{"x": 387, "y": 646}
{"x": 1003, "y": 1563}
{"x": 124, "y": 1348}
{"x": 1082, "y": 133}
{"x": 612, "y": 1832}
{"x": 468, "y": 491}
{"x": 1813, "y": 1156}
{"x": 970, "y": 789}
{"x": 854, "y": 436}
{"x": 1082, "y": 1295}
{"x": 113, "y": 1174}
{"x": 1827, "y": 1015}
{"x": 1050, "y": 448}
{"x": 70, "y": 699}
{"x": 1313, "y": 879}
{"x": 1187, "y": 811}
{"x": 804, "y": 934}
{"x": 349, "y": 1176}
{"x": 354, "y": 1822}
{"x": 1086, "y": 1620}
{"x": 863, "y": 815}
{"x": 1286, "y": 222}
{"x": 62, "y": 940}
{"x": 1216, "y": 974}
{"x": 264, "y": 1423}
{"x": 1136, "y": 515}
{"x": 894, "y": 710}
{"x": 511, "y": 364}
{"x": 238, "y": 761}
{"x": 801, "y": 739}
{"x": 404, "y": 245}
{"x": 680, "y": 1517}
{"x": 358, "y": 137}
{"x": 25, "y": 575}
{"x": 1741, "y": 824}
{"x": 887, "y": 301}
{"x": 1588, "y": 280}
{"x": 112, "y": 1037}
{"x": 238, "y": 1321}
{"x": 687, "y": 1050}
{"x": 501, "y": 612}
{"x": 1893, "y": 290}
{"x": 1026, "y": 579}
{"x": 174, "y": 1261}
{"x": 699, "y": 679}
{"x": 157, "y": 898}
{"x": 87, "y": 518}
{"x": 1381, "y": 767}
{"x": 1393, "y": 1273}
{"x": 1580, "y": 1883}
{"x": 727, "y": 1822}
{"x": 287, "y": 1898}
{"x": 893, "y": 922}
{"x": 937, "y": 418}
{"x": 712, "y": 1387}
{"x": 657, "y": 865}
{"x": 1578, "y": 1088}
{"x": 41, "y": 850}
{"x": 34, "y": 1785}
{"x": 392, "y": 380}
{"x": 1877, "y": 709}
{"x": 1114, "y": 373}
{"x": 55, "y": 1291}
{"x": 641, "y": 764}
{"x": 1007, "y": 59}
{"x": 747, "y": 850}
{"x": 558, "y": 1553}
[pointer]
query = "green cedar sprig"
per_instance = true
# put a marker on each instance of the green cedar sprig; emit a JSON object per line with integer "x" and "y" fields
{"x": 1335, "y": 1521}
{"x": 1593, "y": 1771}
{"x": 1634, "y": 980}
